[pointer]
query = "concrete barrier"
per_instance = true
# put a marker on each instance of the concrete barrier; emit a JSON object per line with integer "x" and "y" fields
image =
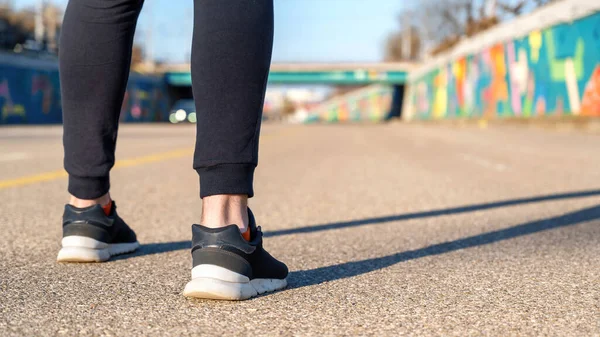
{"x": 544, "y": 63}
{"x": 30, "y": 93}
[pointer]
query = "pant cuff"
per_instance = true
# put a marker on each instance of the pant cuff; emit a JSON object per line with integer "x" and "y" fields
{"x": 226, "y": 179}
{"x": 89, "y": 187}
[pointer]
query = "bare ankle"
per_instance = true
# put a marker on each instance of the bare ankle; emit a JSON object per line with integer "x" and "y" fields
{"x": 81, "y": 203}
{"x": 224, "y": 210}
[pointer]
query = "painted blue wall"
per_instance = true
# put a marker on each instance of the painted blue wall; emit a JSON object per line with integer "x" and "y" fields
{"x": 30, "y": 94}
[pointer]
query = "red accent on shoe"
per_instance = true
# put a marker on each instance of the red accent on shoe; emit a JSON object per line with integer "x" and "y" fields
{"x": 107, "y": 208}
{"x": 246, "y": 234}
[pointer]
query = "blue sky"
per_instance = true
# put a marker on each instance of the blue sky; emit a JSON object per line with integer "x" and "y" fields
{"x": 305, "y": 30}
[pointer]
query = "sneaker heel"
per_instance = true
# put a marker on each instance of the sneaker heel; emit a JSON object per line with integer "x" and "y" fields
{"x": 82, "y": 254}
{"x": 83, "y": 249}
{"x": 211, "y": 288}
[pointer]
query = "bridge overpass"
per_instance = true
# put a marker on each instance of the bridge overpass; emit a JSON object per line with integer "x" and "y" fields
{"x": 314, "y": 73}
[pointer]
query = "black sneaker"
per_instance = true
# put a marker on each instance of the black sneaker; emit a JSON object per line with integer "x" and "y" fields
{"x": 227, "y": 267}
{"x": 89, "y": 235}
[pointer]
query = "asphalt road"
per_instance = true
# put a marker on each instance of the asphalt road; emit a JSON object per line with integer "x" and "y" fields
{"x": 387, "y": 229}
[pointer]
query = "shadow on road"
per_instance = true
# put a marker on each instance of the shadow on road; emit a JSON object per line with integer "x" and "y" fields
{"x": 155, "y": 248}
{"x": 158, "y": 248}
{"x": 303, "y": 278}
{"x": 433, "y": 213}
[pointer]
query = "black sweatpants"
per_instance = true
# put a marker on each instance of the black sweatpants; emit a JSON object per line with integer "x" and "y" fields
{"x": 231, "y": 54}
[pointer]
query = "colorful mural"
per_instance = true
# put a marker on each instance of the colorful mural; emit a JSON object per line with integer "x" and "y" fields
{"x": 370, "y": 104}
{"x": 30, "y": 94}
{"x": 145, "y": 100}
{"x": 552, "y": 71}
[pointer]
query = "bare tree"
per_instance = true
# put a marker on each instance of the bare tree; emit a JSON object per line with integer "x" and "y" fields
{"x": 396, "y": 44}
{"x": 137, "y": 55}
{"x": 518, "y": 7}
{"x": 19, "y": 26}
{"x": 442, "y": 23}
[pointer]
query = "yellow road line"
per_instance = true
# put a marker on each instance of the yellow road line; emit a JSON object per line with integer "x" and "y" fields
{"x": 59, "y": 174}
{"x": 36, "y": 178}
{"x": 53, "y": 175}
{"x": 154, "y": 158}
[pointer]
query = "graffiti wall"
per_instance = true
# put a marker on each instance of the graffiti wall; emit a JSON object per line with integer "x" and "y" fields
{"x": 368, "y": 104}
{"x": 549, "y": 71}
{"x": 146, "y": 100}
{"x": 30, "y": 94}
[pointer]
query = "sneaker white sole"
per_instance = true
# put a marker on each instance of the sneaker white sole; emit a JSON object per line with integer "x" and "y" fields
{"x": 218, "y": 283}
{"x": 83, "y": 249}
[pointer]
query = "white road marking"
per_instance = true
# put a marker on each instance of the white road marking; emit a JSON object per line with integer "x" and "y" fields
{"x": 13, "y": 156}
{"x": 484, "y": 162}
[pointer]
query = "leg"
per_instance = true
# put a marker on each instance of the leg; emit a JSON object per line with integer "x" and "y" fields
{"x": 231, "y": 55}
{"x": 95, "y": 54}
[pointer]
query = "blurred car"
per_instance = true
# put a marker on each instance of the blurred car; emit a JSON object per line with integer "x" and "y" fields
{"x": 184, "y": 110}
